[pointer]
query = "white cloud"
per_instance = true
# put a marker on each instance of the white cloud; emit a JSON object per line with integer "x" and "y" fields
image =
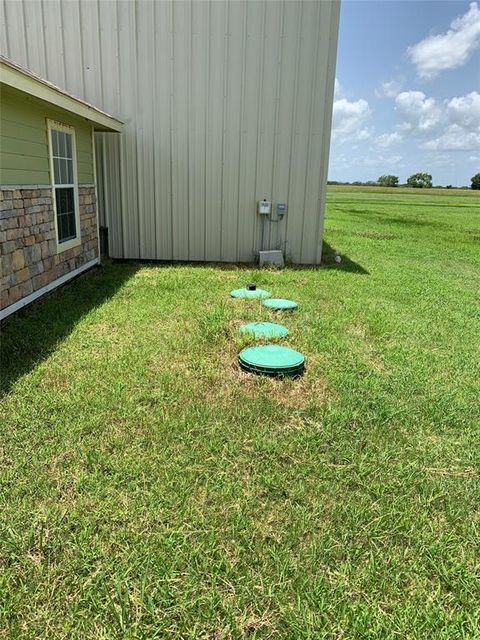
{"x": 436, "y": 159}
{"x": 378, "y": 160}
{"x": 461, "y": 125}
{"x": 465, "y": 111}
{"x": 448, "y": 50}
{"x": 349, "y": 119}
{"x": 419, "y": 113}
{"x": 389, "y": 88}
{"x": 455, "y": 138}
{"x": 451, "y": 125}
{"x": 364, "y": 134}
{"x": 389, "y": 139}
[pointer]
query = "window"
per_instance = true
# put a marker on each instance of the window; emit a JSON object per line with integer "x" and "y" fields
{"x": 64, "y": 183}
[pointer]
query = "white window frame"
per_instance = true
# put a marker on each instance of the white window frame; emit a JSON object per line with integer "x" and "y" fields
{"x": 73, "y": 242}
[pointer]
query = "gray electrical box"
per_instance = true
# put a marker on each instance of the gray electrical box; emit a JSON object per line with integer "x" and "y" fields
{"x": 281, "y": 209}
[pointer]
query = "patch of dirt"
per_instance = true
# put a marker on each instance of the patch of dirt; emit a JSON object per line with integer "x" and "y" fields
{"x": 364, "y": 347}
{"x": 376, "y": 235}
{"x": 234, "y": 384}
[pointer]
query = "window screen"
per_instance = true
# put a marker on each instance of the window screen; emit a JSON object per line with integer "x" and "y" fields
{"x": 64, "y": 184}
{"x": 65, "y": 213}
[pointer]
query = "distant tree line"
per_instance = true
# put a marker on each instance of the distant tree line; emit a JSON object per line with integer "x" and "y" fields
{"x": 416, "y": 180}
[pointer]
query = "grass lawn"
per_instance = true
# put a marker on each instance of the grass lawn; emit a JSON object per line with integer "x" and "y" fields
{"x": 149, "y": 489}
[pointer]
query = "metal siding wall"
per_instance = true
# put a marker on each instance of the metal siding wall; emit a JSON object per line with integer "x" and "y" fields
{"x": 224, "y": 103}
{"x": 326, "y": 126}
{"x": 180, "y": 128}
{"x": 214, "y": 129}
{"x": 197, "y": 118}
{"x": 247, "y": 219}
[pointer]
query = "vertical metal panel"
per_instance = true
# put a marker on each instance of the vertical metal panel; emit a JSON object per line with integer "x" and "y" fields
{"x": 224, "y": 103}
{"x": 127, "y": 50}
{"x": 301, "y": 124}
{"x": 197, "y": 118}
{"x": 286, "y": 111}
{"x": 36, "y": 50}
{"x": 231, "y": 127}
{"x": 329, "y": 50}
{"x": 109, "y": 55}
{"x": 313, "y": 152}
{"x": 15, "y": 29}
{"x": 73, "y": 44}
{"x": 161, "y": 134}
{"x": 247, "y": 218}
{"x": 215, "y": 98}
{"x": 180, "y": 127}
{"x": 145, "y": 119}
{"x": 266, "y": 140}
{"x": 3, "y": 27}
{"x": 89, "y": 53}
{"x": 54, "y": 42}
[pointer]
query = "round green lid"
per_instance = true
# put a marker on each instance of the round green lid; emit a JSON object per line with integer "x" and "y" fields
{"x": 272, "y": 359}
{"x": 246, "y": 293}
{"x": 280, "y": 303}
{"x": 264, "y": 329}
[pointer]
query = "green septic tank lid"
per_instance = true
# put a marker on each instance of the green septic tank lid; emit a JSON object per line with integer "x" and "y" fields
{"x": 272, "y": 360}
{"x": 264, "y": 329}
{"x": 280, "y": 303}
{"x": 246, "y": 293}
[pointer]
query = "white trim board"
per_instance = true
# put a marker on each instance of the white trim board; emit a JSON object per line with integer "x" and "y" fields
{"x": 21, "y": 187}
{"x": 96, "y": 191}
{"x": 16, "y": 306}
{"x": 34, "y": 187}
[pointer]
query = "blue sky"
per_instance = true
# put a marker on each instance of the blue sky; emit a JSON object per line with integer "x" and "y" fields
{"x": 407, "y": 93}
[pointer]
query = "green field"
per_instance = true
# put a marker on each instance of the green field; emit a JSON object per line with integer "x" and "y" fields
{"x": 149, "y": 489}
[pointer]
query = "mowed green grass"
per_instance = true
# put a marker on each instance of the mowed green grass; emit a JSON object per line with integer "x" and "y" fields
{"x": 149, "y": 489}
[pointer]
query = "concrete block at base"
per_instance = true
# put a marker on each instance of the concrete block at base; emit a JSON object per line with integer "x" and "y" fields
{"x": 271, "y": 259}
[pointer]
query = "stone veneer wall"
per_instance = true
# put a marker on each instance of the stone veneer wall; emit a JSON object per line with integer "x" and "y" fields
{"x": 28, "y": 247}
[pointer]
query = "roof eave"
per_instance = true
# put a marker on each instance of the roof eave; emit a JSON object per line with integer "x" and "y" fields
{"x": 24, "y": 81}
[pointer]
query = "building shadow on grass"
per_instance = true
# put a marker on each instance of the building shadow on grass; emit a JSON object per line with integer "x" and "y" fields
{"x": 328, "y": 261}
{"x": 32, "y": 334}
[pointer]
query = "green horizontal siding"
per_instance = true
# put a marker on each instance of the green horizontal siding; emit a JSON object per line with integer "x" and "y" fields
{"x": 22, "y": 162}
{"x": 14, "y": 176}
{"x": 24, "y": 140}
{"x": 84, "y": 144}
{"x": 20, "y": 130}
{"x": 23, "y": 147}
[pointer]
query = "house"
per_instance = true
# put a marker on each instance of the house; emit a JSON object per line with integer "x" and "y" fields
{"x": 225, "y": 104}
{"x": 49, "y": 229}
